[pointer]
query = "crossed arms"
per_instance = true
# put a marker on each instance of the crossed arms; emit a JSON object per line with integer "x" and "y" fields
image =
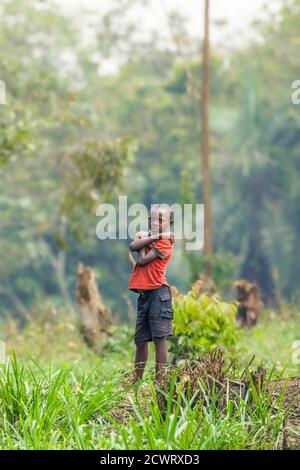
{"x": 139, "y": 244}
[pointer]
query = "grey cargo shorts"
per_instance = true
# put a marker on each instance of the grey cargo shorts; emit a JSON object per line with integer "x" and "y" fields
{"x": 154, "y": 315}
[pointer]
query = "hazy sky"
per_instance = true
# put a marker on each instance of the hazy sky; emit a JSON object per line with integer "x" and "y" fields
{"x": 238, "y": 13}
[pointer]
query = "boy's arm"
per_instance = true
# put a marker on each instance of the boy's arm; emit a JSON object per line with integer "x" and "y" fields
{"x": 131, "y": 259}
{"x": 160, "y": 250}
{"x": 146, "y": 258}
{"x": 138, "y": 244}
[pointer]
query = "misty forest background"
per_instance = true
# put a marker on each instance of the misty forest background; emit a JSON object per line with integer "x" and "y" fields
{"x": 97, "y": 107}
{"x": 74, "y": 135}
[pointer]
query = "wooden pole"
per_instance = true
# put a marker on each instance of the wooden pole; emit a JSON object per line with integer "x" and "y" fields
{"x": 205, "y": 146}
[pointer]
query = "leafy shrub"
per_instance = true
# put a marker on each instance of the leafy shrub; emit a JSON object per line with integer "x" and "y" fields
{"x": 202, "y": 323}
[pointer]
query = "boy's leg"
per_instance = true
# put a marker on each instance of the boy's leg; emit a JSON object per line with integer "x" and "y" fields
{"x": 142, "y": 334}
{"x": 141, "y": 357}
{"x": 161, "y": 357}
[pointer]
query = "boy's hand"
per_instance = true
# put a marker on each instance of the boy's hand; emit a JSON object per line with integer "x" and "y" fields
{"x": 171, "y": 237}
{"x": 141, "y": 241}
{"x": 167, "y": 236}
{"x": 140, "y": 235}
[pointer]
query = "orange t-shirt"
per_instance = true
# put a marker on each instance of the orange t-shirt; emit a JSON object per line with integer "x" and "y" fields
{"x": 152, "y": 275}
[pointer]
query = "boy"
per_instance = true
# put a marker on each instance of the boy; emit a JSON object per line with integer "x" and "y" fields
{"x": 154, "y": 305}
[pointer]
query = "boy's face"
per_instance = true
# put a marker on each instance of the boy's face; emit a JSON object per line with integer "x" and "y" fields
{"x": 159, "y": 220}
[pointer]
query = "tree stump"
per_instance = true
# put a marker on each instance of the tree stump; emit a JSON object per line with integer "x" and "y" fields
{"x": 250, "y": 303}
{"x": 96, "y": 317}
{"x": 204, "y": 285}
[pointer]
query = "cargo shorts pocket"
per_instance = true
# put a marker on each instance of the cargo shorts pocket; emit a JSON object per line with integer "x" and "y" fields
{"x": 166, "y": 310}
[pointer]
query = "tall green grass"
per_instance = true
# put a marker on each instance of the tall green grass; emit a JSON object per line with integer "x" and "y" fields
{"x": 68, "y": 408}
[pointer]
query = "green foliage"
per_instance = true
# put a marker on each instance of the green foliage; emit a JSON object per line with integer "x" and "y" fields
{"x": 16, "y": 135}
{"x": 93, "y": 171}
{"x": 202, "y": 323}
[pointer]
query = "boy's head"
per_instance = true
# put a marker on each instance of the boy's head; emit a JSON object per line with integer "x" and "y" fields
{"x": 160, "y": 218}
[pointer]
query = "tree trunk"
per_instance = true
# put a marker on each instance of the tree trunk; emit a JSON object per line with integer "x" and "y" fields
{"x": 250, "y": 304}
{"x": 205, "y": 143}
{"x": 95, "y": 316}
